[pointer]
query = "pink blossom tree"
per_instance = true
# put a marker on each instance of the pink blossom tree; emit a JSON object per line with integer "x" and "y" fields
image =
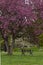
{"x": 17, "y": 15}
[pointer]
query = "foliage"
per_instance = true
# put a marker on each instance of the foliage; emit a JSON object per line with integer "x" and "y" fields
{"x": 17, "y": 16}
{"x": 41, "y": 40}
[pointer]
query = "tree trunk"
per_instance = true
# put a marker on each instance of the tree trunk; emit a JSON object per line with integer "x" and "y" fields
{"x": 13, "y": 41}
{"x": 11, "y": 46}
{"x": 10, "y": 50}
{"x": 6, "y": 45}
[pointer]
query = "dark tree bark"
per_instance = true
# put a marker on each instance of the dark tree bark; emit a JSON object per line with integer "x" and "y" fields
{"x": 12, "y": 44}
{"x": 6, "y": 44}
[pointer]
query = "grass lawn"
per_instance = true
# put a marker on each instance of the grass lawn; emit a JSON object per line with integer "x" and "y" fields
{"x": 18, "y": 59}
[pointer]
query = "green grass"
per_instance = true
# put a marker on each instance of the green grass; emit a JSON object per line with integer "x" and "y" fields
{"x": 18, "y": 59}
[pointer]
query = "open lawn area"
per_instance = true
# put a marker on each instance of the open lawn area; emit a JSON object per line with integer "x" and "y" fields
{"x": 18, "y": 59}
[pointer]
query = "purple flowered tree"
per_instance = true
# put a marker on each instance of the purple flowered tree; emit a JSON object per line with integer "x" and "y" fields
{"x": 18, "y": 15}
